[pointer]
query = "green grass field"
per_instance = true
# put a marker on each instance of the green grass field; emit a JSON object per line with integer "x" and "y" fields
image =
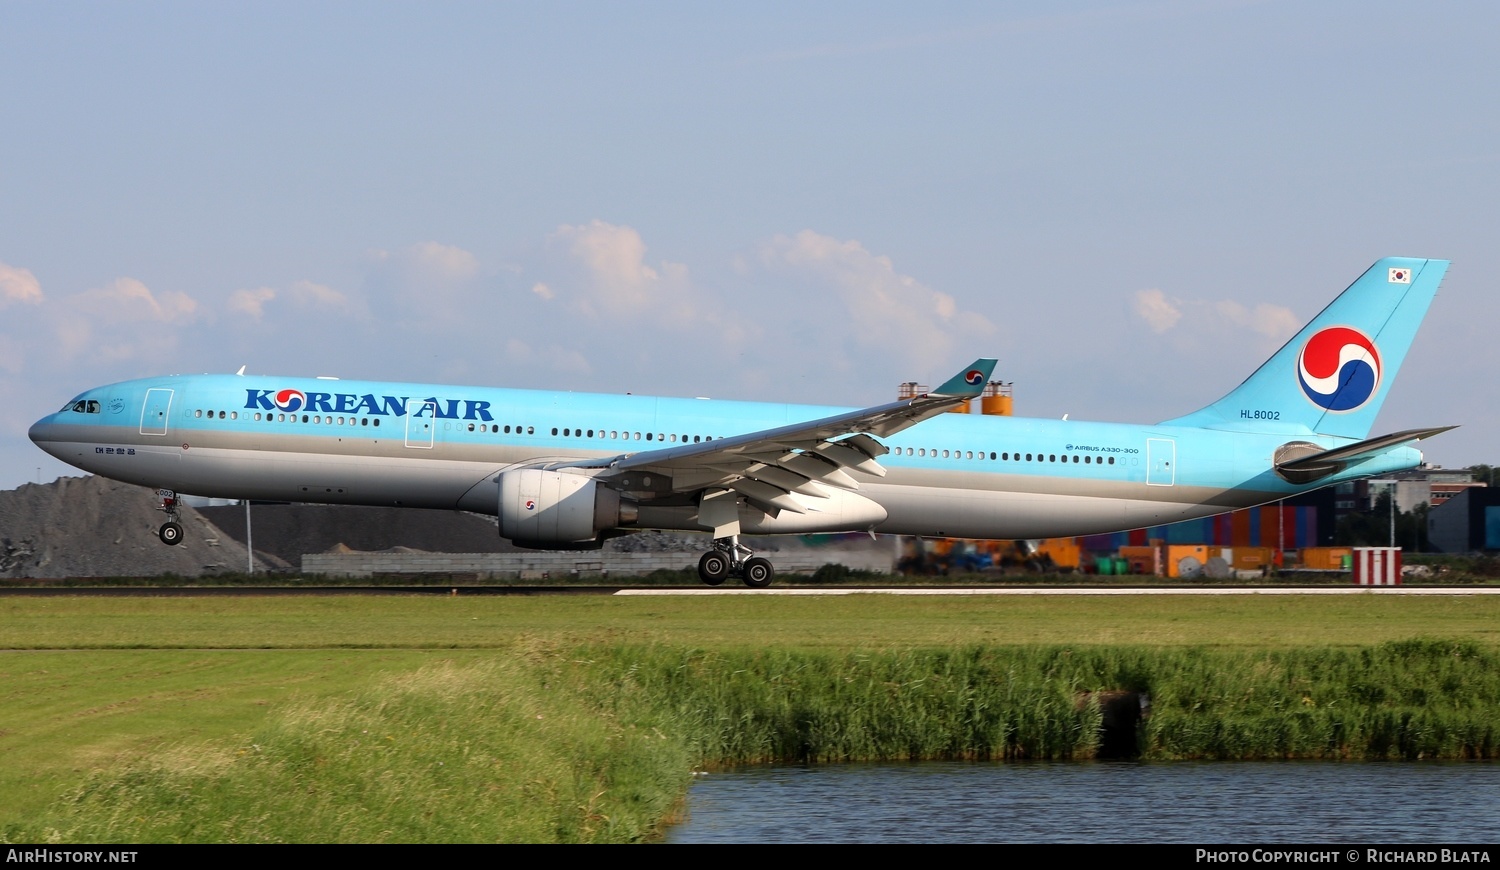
{"x": 360, "y": 719}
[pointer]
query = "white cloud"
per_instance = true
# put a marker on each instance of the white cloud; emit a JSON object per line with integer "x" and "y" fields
{"x": 888, "y": 309}
{"x": 616, "y": 279}
{"x": 445, "y": 263}
{"x": 542, "y": 291}
{"x": 129, "y": 299}
{"x": 251, "y": 303}
{"x": 121, "y": 320}
{"x": 431, "y": 287}
{"x": 1162, "y": 314}
{"x": 553, "y": 357}
{"x": 1159, "y": 313}
{"x": 18, "y": 285}
{"x": 302, "y": 294}
{"x": 310, "y": 293}
{"x": 1273, "y": 321}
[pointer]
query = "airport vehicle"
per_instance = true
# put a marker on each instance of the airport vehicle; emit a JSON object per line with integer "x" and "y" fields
{"x": 569, "y": 470}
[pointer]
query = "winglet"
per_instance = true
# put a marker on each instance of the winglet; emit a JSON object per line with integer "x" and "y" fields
{"x": 969, "y": 382}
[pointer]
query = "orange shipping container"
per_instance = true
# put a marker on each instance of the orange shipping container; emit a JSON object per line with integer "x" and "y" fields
{"x": 1177, "y": 553}
{"x": 1326, "y": 558}
{"x": 1253, "y": 558}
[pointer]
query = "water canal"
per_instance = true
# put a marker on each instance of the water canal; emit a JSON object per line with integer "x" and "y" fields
{"x": 1203, "y": 803}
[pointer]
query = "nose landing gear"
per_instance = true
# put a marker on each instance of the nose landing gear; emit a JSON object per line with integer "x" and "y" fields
{"x": 729, "y": 557}
{"x": 171, "y": 530}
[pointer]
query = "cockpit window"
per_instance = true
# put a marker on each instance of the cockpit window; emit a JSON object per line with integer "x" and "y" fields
{"x": 82, "y": 406}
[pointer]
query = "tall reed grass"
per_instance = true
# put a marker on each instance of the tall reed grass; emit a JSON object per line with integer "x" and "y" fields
{"x": 596, "y": 743}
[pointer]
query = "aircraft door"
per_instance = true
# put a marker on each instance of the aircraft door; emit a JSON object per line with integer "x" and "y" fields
{"x": 1161, "y": 461}
{"x": 154, "y": 411}
{"x": 421, "y": 423}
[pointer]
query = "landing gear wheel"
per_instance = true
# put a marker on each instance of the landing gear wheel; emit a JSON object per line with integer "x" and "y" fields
{"x": 758, "y": 573}
{"x": 713, "y": 568}
{"x": 170, "y": 534}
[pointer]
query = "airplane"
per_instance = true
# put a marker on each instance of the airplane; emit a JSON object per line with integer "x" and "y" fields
{"x": 565, "y": 470}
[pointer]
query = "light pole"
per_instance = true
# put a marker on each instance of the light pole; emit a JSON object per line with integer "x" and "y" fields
{"x": 1392, "y": 491}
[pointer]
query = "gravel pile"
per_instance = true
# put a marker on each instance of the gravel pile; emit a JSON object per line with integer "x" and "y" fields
{"x": 94, "y": 527}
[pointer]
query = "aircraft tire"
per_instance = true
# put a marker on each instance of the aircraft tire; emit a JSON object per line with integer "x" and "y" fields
{"x": 170, "y": 534}
{"x": 758, "y": 573}
{"x": 713, "y": 568}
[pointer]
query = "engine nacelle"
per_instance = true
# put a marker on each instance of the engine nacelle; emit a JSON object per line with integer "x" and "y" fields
{"x": 557, "y": 509}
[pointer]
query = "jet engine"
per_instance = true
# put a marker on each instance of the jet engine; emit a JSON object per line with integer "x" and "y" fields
{"x": 558, "y": 510}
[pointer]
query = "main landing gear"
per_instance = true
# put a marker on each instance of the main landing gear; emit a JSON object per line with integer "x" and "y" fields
{"x": 171, "y": 530}
{"x": 729, "y": 557}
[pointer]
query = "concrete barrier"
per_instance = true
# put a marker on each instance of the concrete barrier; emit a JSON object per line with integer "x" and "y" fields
{"x": 552, "y": 564}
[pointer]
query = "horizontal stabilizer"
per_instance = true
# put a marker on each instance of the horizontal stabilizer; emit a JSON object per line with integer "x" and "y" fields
{"x": 1302, "y": 462}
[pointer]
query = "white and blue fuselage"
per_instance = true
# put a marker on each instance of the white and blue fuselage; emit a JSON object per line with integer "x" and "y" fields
{"x": 567, "y": 470}
{"x": 416, "y": 445}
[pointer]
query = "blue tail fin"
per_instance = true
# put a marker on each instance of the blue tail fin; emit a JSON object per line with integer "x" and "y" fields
{"x": 1332, "y": 377}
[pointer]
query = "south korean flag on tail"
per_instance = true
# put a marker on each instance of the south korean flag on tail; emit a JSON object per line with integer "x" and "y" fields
{"x": 1399, "y": 276}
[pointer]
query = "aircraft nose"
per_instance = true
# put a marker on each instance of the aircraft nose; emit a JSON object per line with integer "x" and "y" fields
{"x": 41, "y": 431}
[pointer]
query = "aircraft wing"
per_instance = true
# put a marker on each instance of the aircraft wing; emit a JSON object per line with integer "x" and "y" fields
{"x": 768, "y": 467}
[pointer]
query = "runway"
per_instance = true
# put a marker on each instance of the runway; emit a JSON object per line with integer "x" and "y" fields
{"x": 1080, "y": 590}
{"x": 242, "y": 591}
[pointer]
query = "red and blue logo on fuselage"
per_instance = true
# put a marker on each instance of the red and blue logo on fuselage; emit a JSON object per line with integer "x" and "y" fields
{"x": 1339, "y": 368}
{"x": 290, "y": 400}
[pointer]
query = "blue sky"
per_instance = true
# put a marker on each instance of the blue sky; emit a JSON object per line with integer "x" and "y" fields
{"x": 1130, "y": 204}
